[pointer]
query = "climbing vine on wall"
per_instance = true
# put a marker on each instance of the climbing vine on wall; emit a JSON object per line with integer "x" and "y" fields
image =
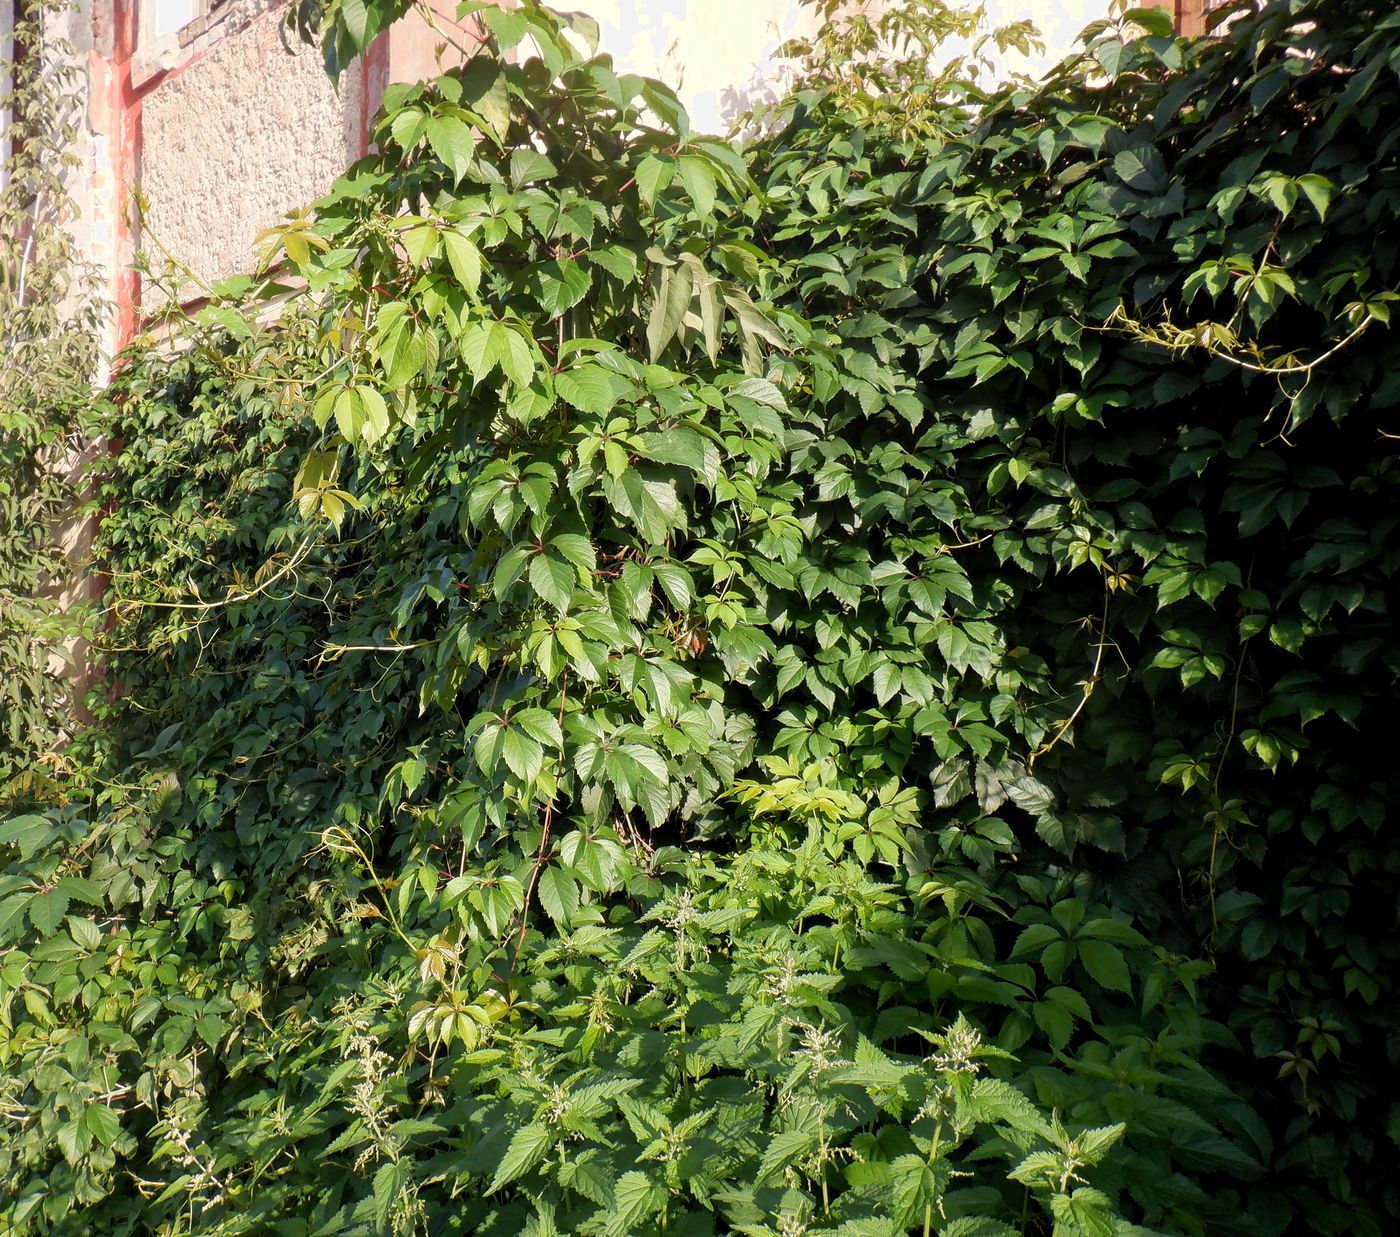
{"x": 694, "y": 687}
{"x": 49, "y": 318}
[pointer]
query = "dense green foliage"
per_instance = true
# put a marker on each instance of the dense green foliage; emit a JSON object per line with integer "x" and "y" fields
{"x": 48, "y": 323}
{"x": 798, "y": 689}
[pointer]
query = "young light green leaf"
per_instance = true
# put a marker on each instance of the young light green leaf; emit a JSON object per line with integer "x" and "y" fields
{"x": 349, "y": 413}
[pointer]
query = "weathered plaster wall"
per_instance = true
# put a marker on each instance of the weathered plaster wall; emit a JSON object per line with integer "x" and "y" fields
{"x": 719, "y": 53}
{"x": 1058, "y": 21}
{"x": 237, "y": 139}
{"x": 716, "y": 53}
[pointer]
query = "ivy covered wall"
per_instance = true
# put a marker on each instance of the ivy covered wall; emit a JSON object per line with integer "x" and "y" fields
{"x": 835, "y": 684}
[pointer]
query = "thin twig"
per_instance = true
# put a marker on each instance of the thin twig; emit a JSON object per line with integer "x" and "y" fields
{"x": 1089, "y": 685}
{"x": 542, "y": 850}
{"x": 232, "y": 599}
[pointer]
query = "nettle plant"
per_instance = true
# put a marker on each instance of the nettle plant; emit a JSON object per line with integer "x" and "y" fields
{"x": 681, "y": 687}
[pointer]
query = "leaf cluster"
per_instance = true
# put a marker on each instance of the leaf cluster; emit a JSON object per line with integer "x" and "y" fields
{"x": 689, "y": 686}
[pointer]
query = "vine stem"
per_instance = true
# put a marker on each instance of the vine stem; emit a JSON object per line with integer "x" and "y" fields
{"x": 932, "y": 1160}
{"x": 1307, "y": 368}
{"x": 1220, "y": 767}
{"x": 1089, "y": 685}
{"x": 430, "y": 19}
{"x": 293, "y": 563}
{"x": 1183, "y": 340}
{"x": 346, "y": 840}
{"x": 332, "y": 651}
{"x": 543, "y": 849}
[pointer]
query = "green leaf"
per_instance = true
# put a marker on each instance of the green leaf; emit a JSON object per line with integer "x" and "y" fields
{"x": 527, "y": 166}
{"x": 561, "y": 285}
{"x": 211, "y": 1029}
{"x": 375, "y": 412}
{"x": 651, "y": 505}
{"x": 451, "y": 140}
{"x": 711, "y": 315}
{"x": 666, "y": 107}
{"x": 636, "y": 1198}
{"x": 29, "y": 833}
{"x": 1096, "y": 1143}
{"x": 1114, "y": 930}
{"x": 1034, "y": 939}
{"x": 977, "y": 1226}
{"x": 553, "y": 581}
{"x": 389, "y": 1181}
{"x": 783, "y": 1150}
{"x": 407, "y": 127}
{"x": 349, "y": 413}
{"x": 1141, "y": 167}
{"x": 684, "y": 447}
{"x": 475, "y": 346}
{"x": 676, "y": 583}
{"x": 576, "y": 549}
{"x": 558, "y": 892}
{"x": 1109, "y": 53}
{"x": 1105, "y": 963}
{"x": 1056, "y": 1021}
{"x": 516, "y": 360}
{"x": 617, "y": 260}
{"x": 699, "y": 181}
{"x": 588, "y": 1175}
{"x": 916, "y": 1188}
{"x": 1318, "y": 190}
{"x": 589, "y": 388}
{"x": 672, "y": 290}
{"x": 754, "y": 327}
{"x": 485, "y": 90}
{"x": 464, "y": 258}
{"x": 102, "y": 1124}
{"x": 539, "y": 724}
{"x": 46, "y": 911}
{"x": 508, "y": 26}
{"x": 528, "y": 1146}
{"x": 421, "y": 243}
{"x": 1156, "y": 22}
{"x": 355, "y": 16}
{"x": 654, "y": 173}
{"x": 1085, "y": 1213}
{"x": 523, "y": 756}
{"x": 86, "y": 934}
{"x": 12, "y": 911}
